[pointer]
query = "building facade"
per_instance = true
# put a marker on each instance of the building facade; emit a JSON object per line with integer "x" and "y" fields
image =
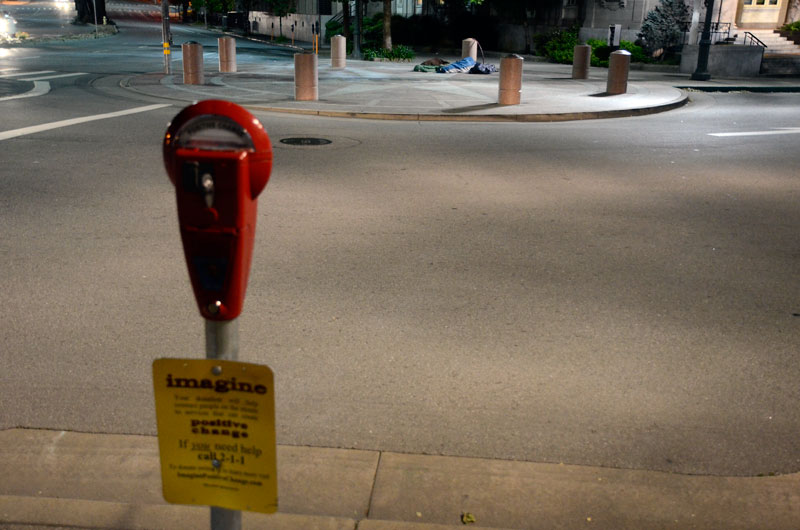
{"x": 731, "y": 17}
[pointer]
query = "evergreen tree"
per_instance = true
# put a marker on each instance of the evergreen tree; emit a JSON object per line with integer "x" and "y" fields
{"x": 663, "y": 27}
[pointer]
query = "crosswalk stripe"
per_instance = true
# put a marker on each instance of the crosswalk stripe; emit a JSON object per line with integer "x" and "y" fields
{"x": 47, "y": 77}
{"x": 27, "y": 73}
{"x": 5, "y": 135}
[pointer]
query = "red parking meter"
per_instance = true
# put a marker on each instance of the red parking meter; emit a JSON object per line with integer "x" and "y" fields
{"x": 219, "y": 158}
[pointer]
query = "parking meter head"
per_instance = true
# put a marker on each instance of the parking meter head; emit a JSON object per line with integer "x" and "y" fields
{"x": 219, "y": 158}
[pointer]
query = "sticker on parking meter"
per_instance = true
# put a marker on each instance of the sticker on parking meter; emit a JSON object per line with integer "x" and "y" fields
{"x": 216, "y": 433}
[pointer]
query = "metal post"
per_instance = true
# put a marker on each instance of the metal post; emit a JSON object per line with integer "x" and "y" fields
{"x": 222, "y": 342}
{"x": 357, "y": 32}
{"x": 94, "y": 4}
{"x": 702, "y": 73}
{"x": 222, "y": 339}
{"x": 222, "y": 519}
{"x": 319, "y": 25}
{"x": 165, "y": 37}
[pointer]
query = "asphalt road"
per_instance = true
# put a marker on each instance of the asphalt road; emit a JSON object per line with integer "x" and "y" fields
{"x": 619, "y": 293}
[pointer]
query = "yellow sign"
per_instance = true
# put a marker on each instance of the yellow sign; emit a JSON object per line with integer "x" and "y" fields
{"x": 216, "y": 433}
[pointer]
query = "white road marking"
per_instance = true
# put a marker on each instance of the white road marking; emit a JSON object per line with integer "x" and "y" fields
{"x": 45, "y": 77}
{"x": 40, "y": 88}
{"x": 27, "y": 73}
{"x": 75, "y": 121}
{"x": 781, "y": 130}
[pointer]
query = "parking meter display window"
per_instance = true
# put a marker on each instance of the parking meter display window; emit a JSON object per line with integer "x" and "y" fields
{"x": 213, "y": 133}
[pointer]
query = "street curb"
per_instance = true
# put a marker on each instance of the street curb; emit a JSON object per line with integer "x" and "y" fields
{"x": 104, "y": 515}
{"x": 728, "y": 88}
{"x": 113, "y": 481}
{"x": 525, "y": 118}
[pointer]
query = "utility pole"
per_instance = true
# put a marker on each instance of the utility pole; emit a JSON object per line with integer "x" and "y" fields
{"x": 701, "y": 73}
{"x": 166, "y": 37}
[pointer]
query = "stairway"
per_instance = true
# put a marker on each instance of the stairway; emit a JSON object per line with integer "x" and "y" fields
{"x": 776, "y": 45}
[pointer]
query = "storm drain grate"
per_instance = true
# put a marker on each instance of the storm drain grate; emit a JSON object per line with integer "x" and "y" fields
{"x": 305, "y": 141}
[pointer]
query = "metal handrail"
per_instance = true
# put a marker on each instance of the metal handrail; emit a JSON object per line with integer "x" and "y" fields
{"x": 720, "y": 31}
{"x": 754, "y": 41}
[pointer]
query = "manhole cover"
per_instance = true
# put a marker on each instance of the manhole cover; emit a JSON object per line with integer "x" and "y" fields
{"x": 305, "y": 141}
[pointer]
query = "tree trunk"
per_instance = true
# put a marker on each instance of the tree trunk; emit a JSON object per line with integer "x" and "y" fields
{"x": 387, "y": 24}
{"x": 526, "y": 27}
{"x": 346, "y": 21}
{"x": 85, "y": 10}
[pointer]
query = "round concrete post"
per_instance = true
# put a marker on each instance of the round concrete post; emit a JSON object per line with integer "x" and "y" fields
{"x": 306, "y": 77}
{"x": 338, "y": 52}
{"x": 227, "y": 54}
{"x": 618, "y": 65}
{"x": 581, "y": 60}
{"x": 510, "y": 80}
{"x": 192, "y": 63}
{"x": 469, "y": 48}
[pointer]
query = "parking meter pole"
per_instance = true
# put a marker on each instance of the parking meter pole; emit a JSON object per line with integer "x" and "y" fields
{"x": 222, "y": 343}
{"x": 222, "y": 339}
{"x": 222, "y": 519}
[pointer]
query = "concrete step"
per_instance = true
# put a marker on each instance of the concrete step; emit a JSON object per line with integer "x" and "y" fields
{"x": 775, "y": 43}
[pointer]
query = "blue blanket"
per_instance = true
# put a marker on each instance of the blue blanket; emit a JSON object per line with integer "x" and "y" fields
{"x": 464, "y": 65}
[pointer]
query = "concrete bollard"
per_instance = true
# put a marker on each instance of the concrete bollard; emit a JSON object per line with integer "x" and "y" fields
{"x": 581, "y": 60}
{"x": 306, "y": 78}
{"x": 192, "y": 63}
{"x": 227, "y": 54}
{"x": 469, "y": 48}
{"x": 618, "y": 65}
{"x": 510, "y": 80}
{"x": 338, "y": 52}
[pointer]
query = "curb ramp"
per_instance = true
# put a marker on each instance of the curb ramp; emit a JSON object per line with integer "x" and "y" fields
{"x": 60, "y": 479}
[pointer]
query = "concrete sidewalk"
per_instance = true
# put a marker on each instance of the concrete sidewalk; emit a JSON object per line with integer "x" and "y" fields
{"x": 66, "y": 479}
{"x": 392, "y": 90}
{"x": 385, "y": 90}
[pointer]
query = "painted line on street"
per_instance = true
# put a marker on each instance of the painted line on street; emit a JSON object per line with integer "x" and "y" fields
{"x": 27, "y": 73}
{"x": 75, "y": 121}
{"x": 40, "y": 88}
{"x": 46, "y": 77}
{"x": 782, "y": 130}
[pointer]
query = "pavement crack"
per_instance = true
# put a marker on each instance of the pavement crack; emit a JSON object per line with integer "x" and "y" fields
{"x": 374, "y": 482}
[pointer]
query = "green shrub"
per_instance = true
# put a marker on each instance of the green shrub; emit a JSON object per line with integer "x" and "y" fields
{"x": 561, "y": 45}
{"x": 398, "y": 52}
{"x": 601, "y": 52}
{"x": 371, "y": 31}
{"x": 638, "y": 54}
{"x": 333, "y": 28}
{"x": 793, "y": 26}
